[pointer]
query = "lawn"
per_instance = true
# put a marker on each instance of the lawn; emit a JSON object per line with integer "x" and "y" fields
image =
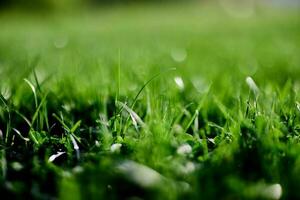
{"x": 150, "y": 102}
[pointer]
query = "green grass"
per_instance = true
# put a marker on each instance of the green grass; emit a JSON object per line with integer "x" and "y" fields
{"x": 150, "y": 103}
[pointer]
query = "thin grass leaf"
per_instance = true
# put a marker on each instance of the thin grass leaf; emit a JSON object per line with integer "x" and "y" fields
{"x": 23, "y": 117}
{"x": 223, "y": 109}
{"x": 149, "y": 81}
{"x": 67, "y": 129}
{"x": 135, "y": 118}
{"x": 196, "y": 112}
{"x": 36, "y": 81}
{"x": 8, "y": 125}
{"x": 33, "y": 91}
{"x": 33, "y": 137}
{"x": 35, "y": 115}
{"x": 119, "y": 75}
{"x": 74, "y": 128}
{"x": 3, "y": 163}
{"x": 61, "y": 122}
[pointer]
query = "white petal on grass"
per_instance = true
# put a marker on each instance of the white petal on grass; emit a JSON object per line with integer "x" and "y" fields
{"x": 196, "y": 121}
{"x": 75, "y": 146}
{"x": 252, "y": 85}
{"x": 116, "y": 148}
{"x": 298, "y": 106}
{"x": 179, "y": 82}
{"x": 21, "y": 136}
{"x": 178, "y": 54}
{"x": 273, "y": 191}
{"x": 140, "y": 174}
{"x": 134, "y": 122}
{"x": 212, "y": 140}
{"x": 134, "y": 117}
{"x": 54, "y": 156}
{"x": 184, "y": 149}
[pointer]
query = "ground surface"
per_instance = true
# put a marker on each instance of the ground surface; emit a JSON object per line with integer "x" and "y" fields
{"x": 181, "y": 102}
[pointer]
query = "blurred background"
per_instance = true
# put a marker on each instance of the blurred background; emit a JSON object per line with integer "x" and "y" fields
{"x": 38, "y": 5}
{"x": 206, "y": 40}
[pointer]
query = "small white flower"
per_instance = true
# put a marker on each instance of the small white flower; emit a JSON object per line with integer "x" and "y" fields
{"x": 115, "y": 148}
{"x": 184, "y": 149}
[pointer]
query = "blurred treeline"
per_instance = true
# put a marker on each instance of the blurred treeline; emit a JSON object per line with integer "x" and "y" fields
{"x": 56, "y": 4}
